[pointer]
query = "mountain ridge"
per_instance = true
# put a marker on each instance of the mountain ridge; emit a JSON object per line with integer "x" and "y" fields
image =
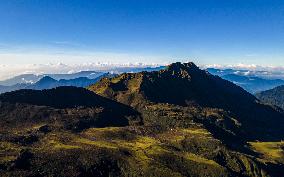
{"x": 273, "y": 96}
{"x": 50, "y": 101}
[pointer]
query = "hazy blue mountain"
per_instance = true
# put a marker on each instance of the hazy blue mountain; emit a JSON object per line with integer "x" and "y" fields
{"x": 32, "y": 78}
{"x": 87, "y": 74}
{"x": 265, "y": 74}
{"x": 222, "y": 72}
{"x": 21, "y": 79}
{"x": 48, "y": 82}
{"x": 44, "y": 83}
{"x": 249, "y": 82}
{"x": 13, "y": 87}
{"x": 253, "y": 84}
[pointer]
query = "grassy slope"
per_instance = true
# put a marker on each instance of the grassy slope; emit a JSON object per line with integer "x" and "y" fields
{"x": 133, "y": 151}
{"x": 270, "y": 151}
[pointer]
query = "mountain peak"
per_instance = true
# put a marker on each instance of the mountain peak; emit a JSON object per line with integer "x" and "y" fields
{"x": 184, "y": 70}
{"x": 47, "y": 79}
{"x": 182, "y": 66}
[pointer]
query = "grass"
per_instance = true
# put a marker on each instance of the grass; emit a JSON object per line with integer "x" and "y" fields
{"x": 199, "y": 159}
{"x": 58, "y": 145}
{"x": 136, "y": 151}
{"x": 99, "y": 144}
{"x": 100, "y": 131}
{"x": 134, "y": 84}
{"x": 8, "y": 151}
{"x": 178, "y": 135}
{"x": 200, "y": 131}
{"x": 269, "y": 150}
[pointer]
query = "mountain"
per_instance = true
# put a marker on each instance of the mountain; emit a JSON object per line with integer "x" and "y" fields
{"x": 222, "y": 72}
{"x": 186, "y": 85}
{"x": 48, "y": 82}
{"x": 32, "y": 78}
{"x": 250, "y": 83}
{"x": 253, "y": 84}
{"x": 274, "y": 96}
{"x": 87, "y": 74}
{"x": 4, "y": 89}
{"x": 44, "y": 83}
{"x": 21, "y": 79}
{"x": 261, "y": 73}
{"x": 61, "y": 106}
{"x": 179, "y": 121}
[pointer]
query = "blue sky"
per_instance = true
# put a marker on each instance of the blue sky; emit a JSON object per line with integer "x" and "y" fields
{"x": 159, "y": 31}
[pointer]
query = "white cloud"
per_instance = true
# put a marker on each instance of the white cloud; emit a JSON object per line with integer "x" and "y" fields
{"x": 275, "y": 72}
{"x": 59, "y": 61}
{"x": 242, "y": 66}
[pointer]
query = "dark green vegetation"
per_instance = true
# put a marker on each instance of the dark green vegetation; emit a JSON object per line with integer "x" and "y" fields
{"x": 273, "y": 97}
{"x": 180, "y": 121}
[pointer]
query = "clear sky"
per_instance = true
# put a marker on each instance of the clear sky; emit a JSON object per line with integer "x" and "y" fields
{"x": 159, "y": 31}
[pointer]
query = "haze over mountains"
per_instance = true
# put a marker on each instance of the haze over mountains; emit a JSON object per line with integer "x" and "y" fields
{"x": 252, "y": 81}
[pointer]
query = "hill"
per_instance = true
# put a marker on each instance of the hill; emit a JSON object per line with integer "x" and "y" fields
{"x": 66, "y": 105}
{"x": 273, "y": 97}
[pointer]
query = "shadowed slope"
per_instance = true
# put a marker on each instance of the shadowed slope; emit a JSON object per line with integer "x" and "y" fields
{"x": 68, "y": 105}
{"x": 273, "y": 97}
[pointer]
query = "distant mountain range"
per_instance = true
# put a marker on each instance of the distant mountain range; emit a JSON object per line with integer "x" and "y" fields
{"x": 249, "y": 82}
{"x": 243, "y": 78}
{"x": 32, "y": 78}
{"x": 48, "y": 81}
